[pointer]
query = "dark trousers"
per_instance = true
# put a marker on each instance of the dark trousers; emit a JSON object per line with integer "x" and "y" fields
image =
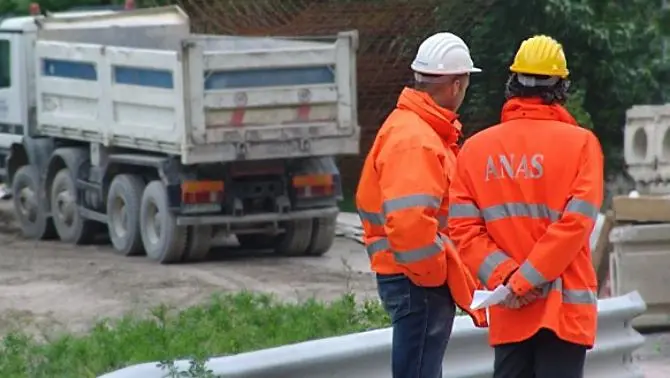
{"x": 542, "y": 356}
{"x": 422, "y": 321}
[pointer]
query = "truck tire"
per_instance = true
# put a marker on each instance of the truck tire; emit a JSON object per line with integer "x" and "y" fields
{"x": 296, "y": 239}
{"x": 70, "y": 225}
{"x": 123, "y": 214}
{"x": 198, "y": 243}
{"x": 163, "y": 240}
{"x": 30, "y": 212}
{"x": 323, "y": 235}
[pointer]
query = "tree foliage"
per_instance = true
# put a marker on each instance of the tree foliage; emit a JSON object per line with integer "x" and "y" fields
{"x": 613, "y": 51}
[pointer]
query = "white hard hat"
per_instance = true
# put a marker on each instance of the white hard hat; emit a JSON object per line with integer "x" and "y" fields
{"x": 443, "y": 54}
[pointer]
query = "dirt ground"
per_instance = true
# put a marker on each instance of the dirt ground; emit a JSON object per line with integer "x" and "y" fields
{"x": 52, "y": 285}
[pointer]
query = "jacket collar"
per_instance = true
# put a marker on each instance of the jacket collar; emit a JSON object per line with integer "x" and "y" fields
{"x": 533, "y": 108}
{"x": 443, "y": 121}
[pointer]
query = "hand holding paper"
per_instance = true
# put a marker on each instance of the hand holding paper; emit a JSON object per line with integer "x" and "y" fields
{"x": 487, "y": 298}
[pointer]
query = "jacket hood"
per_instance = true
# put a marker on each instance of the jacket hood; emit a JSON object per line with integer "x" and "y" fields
{"x": 443, "y": 121}
{"x": 533, "y": 108}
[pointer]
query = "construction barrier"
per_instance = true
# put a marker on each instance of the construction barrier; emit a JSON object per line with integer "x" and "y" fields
{"x": 367, "y": 354}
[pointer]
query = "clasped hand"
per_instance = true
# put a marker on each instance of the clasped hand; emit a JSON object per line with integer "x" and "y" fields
{"x": 514, "y": 301}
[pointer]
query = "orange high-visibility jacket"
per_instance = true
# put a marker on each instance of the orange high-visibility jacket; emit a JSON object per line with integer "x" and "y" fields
{"x": 523, "y": 202}
{"x": 402, "y": 198}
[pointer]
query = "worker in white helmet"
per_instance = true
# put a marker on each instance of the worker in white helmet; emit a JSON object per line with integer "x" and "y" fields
{"x": 402, "y": 201}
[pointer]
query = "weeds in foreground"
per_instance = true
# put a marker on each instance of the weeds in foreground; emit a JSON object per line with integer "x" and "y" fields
{"x": 228, "y": 324}
{"x": 196, "y": 369}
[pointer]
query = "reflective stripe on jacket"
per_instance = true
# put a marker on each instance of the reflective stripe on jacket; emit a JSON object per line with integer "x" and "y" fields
{"x": 402, "y": 198}
{"x": 523, "y": 202}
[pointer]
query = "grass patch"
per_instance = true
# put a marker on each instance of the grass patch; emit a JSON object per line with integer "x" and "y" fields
{"x": 227, "y": 324}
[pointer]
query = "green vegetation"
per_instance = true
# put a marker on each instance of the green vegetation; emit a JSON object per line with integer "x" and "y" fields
{"x": 226, "y": 325}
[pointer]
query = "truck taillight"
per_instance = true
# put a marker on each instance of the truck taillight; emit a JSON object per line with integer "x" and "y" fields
{"x": 201, "y": 192}
{"x": 307, "y": 186}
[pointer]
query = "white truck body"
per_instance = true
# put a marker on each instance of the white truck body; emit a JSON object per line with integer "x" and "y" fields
{"x": 204, "y": 98}
{"x": 126, "y": 119}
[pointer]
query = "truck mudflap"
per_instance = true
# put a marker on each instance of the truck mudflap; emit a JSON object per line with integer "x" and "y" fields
{"x": 197, "y": 220}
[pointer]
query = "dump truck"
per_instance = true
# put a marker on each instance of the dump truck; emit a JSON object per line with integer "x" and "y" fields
{"x": 127, "y": 119}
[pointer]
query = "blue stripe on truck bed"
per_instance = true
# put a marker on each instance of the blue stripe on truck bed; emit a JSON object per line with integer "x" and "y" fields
{"x": 274, "y": 77}
{"x": 69, "y": 69}
{"x": 213, "y": 79}
{"x": 144, "y": 77}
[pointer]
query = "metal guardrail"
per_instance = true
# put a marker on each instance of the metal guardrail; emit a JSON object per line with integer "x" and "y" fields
{"x": 367, "y": 354}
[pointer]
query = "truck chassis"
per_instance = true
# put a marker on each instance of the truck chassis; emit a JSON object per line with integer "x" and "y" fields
{"x": 153, "y": 204}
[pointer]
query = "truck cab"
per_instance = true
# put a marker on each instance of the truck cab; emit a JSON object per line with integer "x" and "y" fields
{"x": 16, "y": 37}
{"x": 17, "y": 76}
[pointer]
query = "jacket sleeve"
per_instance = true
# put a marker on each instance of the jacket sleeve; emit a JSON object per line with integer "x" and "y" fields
{"x": 468, "y": 231}
{"x": 566, "y": 238}
{"x": 413, "y": 184}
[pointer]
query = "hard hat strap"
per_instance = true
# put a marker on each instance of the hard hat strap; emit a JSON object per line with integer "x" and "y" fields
{"x": 532, "y": 81}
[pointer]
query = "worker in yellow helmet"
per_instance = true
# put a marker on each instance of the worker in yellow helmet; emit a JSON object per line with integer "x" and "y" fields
{"x": 539, "y": 70}
{"x": 522, "y": 204}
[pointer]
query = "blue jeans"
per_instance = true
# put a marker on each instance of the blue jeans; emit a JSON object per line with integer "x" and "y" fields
{"x": 422, "y": 320}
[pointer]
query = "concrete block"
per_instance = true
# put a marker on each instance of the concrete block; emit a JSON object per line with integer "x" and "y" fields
{"x": 641, "y": 261}
{"x": 638, "y": 135}
{"x": 660, "y": 188}
{"x": 647, "y": 143}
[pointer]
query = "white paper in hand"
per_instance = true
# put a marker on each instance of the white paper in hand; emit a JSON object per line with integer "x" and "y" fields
{"x": 486, "y": 298}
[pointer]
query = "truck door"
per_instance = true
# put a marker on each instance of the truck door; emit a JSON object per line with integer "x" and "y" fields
{"x": 13, "y": 110}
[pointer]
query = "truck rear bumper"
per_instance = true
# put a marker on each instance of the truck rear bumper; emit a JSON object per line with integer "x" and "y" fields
{"x": 227, "y": 152}
{"x": 197, "y": 220}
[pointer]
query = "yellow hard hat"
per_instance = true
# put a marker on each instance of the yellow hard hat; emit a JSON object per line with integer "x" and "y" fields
{"x": 540, "y": 55}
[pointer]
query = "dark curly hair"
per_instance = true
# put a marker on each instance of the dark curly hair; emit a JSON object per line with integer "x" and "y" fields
{"x": 557, "y": 93}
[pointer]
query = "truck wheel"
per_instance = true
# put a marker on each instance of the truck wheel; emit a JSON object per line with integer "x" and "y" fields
{"x": 198, "y": 243}
{"x": 30, "y": 212}
{"x": 323, "y": 235}
{"x": 123, "y": 214}
{"x": 70, "y": 225}
{"x": 163, "y": 240}
{"x": 296, "y": 239}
